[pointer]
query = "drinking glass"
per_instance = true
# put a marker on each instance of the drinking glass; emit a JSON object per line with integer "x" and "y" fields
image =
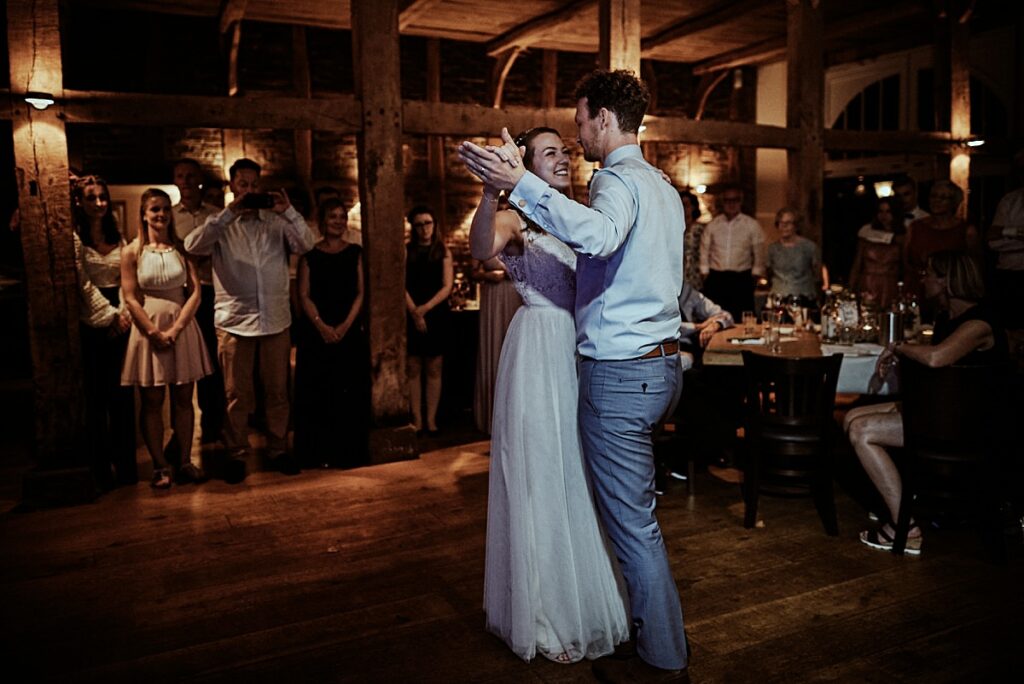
{"x": 749, "y": 323}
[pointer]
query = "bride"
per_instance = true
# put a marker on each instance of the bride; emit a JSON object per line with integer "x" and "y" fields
{"x": 551, "y": 586}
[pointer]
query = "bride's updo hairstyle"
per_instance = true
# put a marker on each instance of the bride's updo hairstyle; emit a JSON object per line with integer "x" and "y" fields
{"x": 526, "y": 138}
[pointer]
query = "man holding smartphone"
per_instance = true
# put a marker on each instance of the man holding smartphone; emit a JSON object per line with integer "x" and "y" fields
{"x": 251, "y": 307}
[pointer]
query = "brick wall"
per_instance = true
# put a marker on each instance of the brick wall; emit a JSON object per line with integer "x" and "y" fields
{"x": 187, "y": 57}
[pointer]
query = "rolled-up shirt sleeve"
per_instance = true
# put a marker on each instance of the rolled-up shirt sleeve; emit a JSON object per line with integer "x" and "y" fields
{"x": 297, "y": 232}
{"x": 201, "y": 240}
{"x": 96, "y": 311}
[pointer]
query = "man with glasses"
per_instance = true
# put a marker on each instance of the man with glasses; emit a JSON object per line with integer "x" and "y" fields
{"x": 732, "y": 255}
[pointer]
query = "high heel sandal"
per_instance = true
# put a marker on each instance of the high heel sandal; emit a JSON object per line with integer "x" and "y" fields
{"x": 161, "y": 478}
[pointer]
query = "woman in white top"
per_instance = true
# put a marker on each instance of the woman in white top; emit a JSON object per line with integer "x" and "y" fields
{"x": 109, "y": 408}
{"x": 166, "y": 349}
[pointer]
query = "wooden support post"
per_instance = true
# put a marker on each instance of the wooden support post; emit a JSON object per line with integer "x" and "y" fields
{"x": 960, "y": 107}
{"x": 620, "y": 35}
{"x": 549, "y": 79}
{"x": 435, "y": 143}
{"x": 41, "y": 165}
{"x": 381, "y": 193}
{"x": 804, "y": 111}
{"x": 303, "y": 88}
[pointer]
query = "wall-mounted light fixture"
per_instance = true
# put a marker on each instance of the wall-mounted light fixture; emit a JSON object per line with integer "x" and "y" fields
{"x": 39, "y": 100}
{"x": 701, "y": 189}
{"x": 883, "y": 189}
{"x": 977, "y": 142}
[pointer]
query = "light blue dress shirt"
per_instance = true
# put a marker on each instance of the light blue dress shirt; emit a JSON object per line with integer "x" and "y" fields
{"x": 630, "y": 241}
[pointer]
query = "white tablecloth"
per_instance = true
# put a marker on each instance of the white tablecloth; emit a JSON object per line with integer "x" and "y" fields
{"x": 859, "y": 361}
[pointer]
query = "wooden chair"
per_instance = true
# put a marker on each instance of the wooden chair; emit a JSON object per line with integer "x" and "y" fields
{"x": 789, "y": 431}
{"x": 950, "y": 439}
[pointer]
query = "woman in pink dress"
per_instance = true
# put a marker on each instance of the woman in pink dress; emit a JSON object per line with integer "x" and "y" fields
{"x": 165, "y": 349}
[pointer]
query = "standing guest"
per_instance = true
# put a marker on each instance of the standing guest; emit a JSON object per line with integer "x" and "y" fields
{"x": 905, "y": 189}
{"x": 332, "y": 372}
{"x": 190, "y": 213}
{"x": 251, "y": 307}
{"x": 878, "y": 263}
{"x": 692, "y": 238}
{"x": 213, "y": 192}
{"x": 941, "y": 232}
{"x": 794, "y": 262}
{"x": 109, "y": 408}
{"x": 1006, "y": 239}
{"x": 165, "y": 349}
{"x": 731, "y": 255}
{"x": 628, "y": 278}
{"x": 499, "y": 301}
{"x": 428, "y": 282}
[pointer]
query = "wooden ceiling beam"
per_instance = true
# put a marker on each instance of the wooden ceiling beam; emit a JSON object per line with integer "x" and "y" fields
{"x": 342, "y": 113}
{"x": 721, "y": 13}
{"x": 533, "y": 30}
{"x": 231, "y": 13}
{"x": 775, "y": 48}
{"x": 414, "y": 11}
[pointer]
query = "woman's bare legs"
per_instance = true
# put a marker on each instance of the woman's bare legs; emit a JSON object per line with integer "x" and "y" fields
{"x": 434, "y": 368}
{"x": 153, "y": 424}
{"x": 871, "y": 429}
{"x": 414, "y": 372}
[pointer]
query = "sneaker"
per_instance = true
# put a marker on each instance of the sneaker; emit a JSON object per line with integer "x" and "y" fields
{"x": 880, "y": 539}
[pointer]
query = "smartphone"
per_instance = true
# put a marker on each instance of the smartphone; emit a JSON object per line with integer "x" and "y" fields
{"x": 258, "y": 200}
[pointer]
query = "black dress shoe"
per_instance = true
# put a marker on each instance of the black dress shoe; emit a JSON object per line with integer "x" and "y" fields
{"x": 635, "y": 671}
{"x": 287, "y": 465}
{"x": 234, "y": 470}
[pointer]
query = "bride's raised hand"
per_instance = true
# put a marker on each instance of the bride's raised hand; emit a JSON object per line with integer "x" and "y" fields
{"x": 508, "y": 151}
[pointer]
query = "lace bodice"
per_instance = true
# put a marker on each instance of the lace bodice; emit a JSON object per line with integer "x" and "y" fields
{"x": 545, "y": 273}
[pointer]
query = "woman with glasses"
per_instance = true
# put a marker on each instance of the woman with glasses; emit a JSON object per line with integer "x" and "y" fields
{"x": 942, "y": 231}
{"x": 429, "y": 275}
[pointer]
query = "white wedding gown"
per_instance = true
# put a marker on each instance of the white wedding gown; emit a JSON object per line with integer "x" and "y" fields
{"x": 551, "y": 584}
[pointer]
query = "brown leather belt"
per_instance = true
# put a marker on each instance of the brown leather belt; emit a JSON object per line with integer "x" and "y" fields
{"x": 663, "y": 349}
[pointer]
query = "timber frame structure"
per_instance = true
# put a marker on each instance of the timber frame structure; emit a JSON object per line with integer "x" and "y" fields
{"x": 379, "y": 117}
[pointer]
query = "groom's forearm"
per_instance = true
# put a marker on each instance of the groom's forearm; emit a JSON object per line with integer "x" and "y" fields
{"x": 598, "y": 230}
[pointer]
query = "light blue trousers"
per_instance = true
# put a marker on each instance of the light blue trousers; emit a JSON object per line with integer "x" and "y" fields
{"x": 621, "y": 403}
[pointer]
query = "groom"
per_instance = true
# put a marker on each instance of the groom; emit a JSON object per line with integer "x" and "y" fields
{"x": 628, "y": 278}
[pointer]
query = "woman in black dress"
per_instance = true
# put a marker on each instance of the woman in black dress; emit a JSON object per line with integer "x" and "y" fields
{"x": 428, "y": 282}
{"x": 332, "y": 374}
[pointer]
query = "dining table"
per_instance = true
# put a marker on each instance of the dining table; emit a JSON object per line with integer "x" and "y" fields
{"x": 859, "y": 358}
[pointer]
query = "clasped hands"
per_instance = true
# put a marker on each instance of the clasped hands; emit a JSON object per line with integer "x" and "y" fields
{"x": 499, "y": 166}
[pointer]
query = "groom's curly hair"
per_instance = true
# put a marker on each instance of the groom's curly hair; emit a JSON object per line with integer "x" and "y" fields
{"x": 620, "y": 92}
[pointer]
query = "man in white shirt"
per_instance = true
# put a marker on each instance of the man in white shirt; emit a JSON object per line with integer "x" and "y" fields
{"x": 251, "y": 308}
{"x": 905, "y": 188}
{"x": 190, "y": 213}
{"x": 732, "y": 255}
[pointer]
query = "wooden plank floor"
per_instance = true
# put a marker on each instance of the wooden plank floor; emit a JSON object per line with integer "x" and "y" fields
{"x": 376, "y": 575}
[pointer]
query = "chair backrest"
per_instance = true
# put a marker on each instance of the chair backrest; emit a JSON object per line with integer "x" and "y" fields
{"x": 946, "y": 409}
{"x": 791, "y": 393}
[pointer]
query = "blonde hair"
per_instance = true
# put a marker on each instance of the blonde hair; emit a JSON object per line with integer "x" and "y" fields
{"x": 143, "y": 238}
{"x": 962, "y": 274}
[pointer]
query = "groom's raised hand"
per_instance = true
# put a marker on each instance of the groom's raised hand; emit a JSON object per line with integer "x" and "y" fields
{"x": 500, "y": 167}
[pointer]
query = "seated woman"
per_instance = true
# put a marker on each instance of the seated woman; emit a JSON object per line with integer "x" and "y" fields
{"x": 967, "y": 333}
